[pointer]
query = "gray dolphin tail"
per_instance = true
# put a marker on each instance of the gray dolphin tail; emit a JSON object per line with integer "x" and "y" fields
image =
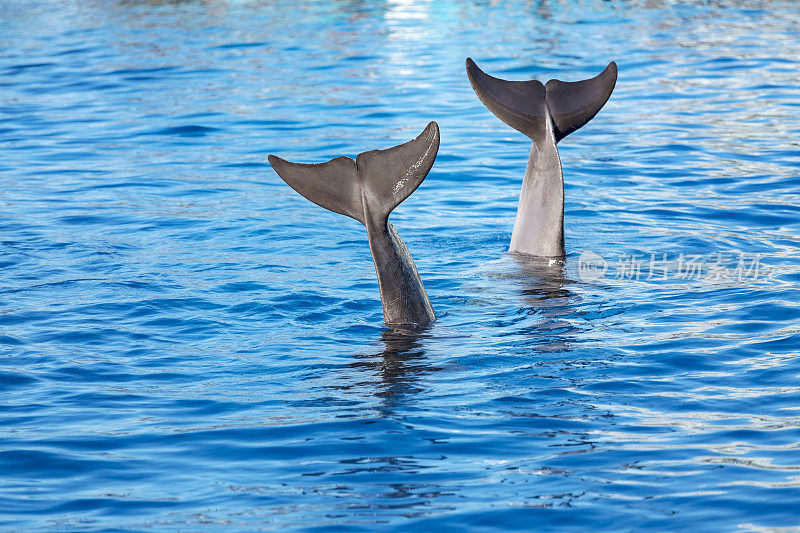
{"x": 368, "y": 189}
{"x": 372, "y": 185}
{"x": 526, "y": 105}
{"x": 546, "y": 114}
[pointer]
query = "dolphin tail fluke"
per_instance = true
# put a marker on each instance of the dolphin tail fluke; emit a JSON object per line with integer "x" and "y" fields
{"x": 520, "y": 104}
{"x": 390, "y": 176}
{"x": 332, "y": 185}
{"x": 527, "y": 105}
{"x": 369, "y": 187}
{"x": 573, "y": 104}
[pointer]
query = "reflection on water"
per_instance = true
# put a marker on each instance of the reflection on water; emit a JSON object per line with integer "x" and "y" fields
{"x": 545, "y": 291}
{"x": 398, "y": 368}
{"x": 543, "y": 280}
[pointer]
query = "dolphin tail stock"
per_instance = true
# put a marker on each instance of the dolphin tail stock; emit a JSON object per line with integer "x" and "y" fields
{"x": 368, "y": 189}
{"x": 526, "y": 105}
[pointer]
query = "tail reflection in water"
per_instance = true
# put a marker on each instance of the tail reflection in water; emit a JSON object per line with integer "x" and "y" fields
{"x": 399, "y": 366}
{"x": 543, "y": 280}
{"x": 543, "y": 283}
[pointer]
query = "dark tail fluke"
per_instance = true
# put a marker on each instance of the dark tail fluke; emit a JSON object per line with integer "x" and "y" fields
{"x": 372, "y": 185}
{"x": 573, "y": 103}
{"x": 332, "y": 185}
{"x": 390, "y": 176}
{"x": 520, "y": 104}
{"x": 526, "y": 105}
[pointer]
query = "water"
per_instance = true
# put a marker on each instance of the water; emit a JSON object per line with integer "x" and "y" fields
{"x": 187, "y": 343}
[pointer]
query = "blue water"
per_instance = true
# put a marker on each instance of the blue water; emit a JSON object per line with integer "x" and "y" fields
{"x": 189, "y": 344}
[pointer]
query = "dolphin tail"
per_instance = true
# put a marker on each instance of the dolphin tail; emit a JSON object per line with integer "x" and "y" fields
{"x": 527, "y": 105}
{"x": 369, "y": 188}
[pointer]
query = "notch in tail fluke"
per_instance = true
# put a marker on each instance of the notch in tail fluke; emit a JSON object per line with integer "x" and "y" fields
{"x": 526, "y": 105}
{"x": 372, "y": 185}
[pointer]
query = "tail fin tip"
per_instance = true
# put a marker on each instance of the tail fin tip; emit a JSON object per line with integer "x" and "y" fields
{"x": 573, "y": 104}
{"x": 332, "y": 185}
{"x": 520, "y": 104}
{"x": 525, "y": 105}
{"x": 390, "y": 176}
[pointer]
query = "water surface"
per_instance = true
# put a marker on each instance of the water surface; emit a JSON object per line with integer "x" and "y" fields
{"x": 187, "y": 343}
